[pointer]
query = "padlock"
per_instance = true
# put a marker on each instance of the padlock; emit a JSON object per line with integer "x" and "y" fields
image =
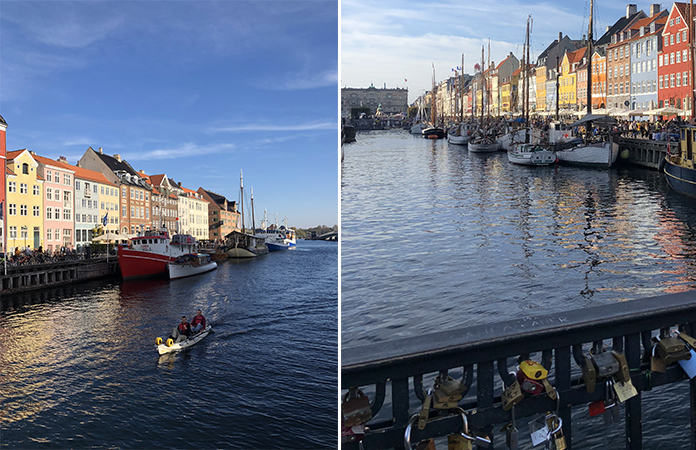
{"x": 474, "y": 438}
{"x": 656, "y": 363}
{"x": 446, "y": 393}
{"x": 425, "y": 410}
{"x": 428, "y": 444}
{"x": 556, "y": 431}
{"x": 355, "y": 433}
{"x": 690, "y": 341}
{"x": 671, "y": 349}
{"x": 589, "y": 374}
{"x": 605, "y": 363}
{"x": 355, "y": 409}
{"x": 529, "y": 375}
{"x": 459, "y": 442}
{"x": 511, "y": 433}
{"x": 624, "y": 372}
{"x": 512, "y": 395}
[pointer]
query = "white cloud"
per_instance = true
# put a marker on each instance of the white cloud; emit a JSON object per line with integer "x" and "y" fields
{"x": 308, "y": 126}
{"x": 184, "y": 150}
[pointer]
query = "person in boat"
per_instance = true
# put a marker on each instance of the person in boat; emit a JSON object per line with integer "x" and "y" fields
{"x": 182, "y": 331}
{"x": 198, "y": 322}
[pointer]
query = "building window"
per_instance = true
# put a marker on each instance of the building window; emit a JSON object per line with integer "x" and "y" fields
{"x": 25, "y": 169}
{"x": 13, "y": 232}
{"x": 12, "y": 209}
{"x": 56, "y": 235}
{"x": 49, "y": 176}
{"x": 57, "y": 197}
{"x": 67, "y": 214}
{"x": 685, "y": 79}
{"x": 23, "y": 210}
{"x": 77, "y": 185}
{"x": 49, "y": 213}
{"x": 23, "y": 188}
{"x": 66, "y": 179}
{"x": 36, "y": 190}
{"x": 123, "y": 192}
{"x": 49, "y": 234}
{"x": 12, "y": 186}
{"x": 36, "y": 211}
{"x": 57, "y": 211}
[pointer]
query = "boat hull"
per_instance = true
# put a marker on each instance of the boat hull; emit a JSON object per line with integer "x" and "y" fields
{"x": 434, "y": 133}
{"x": 162, "y": 348}
{"x": 275, "y": 247}
{"x": 681, "y": 179}
{"x": 602, "y": 154}
{"x": 241, "y": 252}
{"x": 187, "y": 270}
{"x": 457, "y": 140}
{"x": 535, "y": 158}
{"x": 483, "y": 148}
{"x": 139, "y": 264}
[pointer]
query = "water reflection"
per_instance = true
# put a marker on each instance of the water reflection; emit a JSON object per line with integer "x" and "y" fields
{"x": 450, "y": 231}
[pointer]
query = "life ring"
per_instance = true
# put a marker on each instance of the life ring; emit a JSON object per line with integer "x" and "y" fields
{"x": 170, "y": 342}
{"x": 158, "y": 341}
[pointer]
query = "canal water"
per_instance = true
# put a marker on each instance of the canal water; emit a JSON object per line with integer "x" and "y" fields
{"x": 79, "y": 368}
{"x": 435, "y": 238}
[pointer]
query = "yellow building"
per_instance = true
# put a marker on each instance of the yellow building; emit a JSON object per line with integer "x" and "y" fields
{"x": 24, "y": 191}
{"x": 540, "y": 79}
{"x": 568, "y": 83}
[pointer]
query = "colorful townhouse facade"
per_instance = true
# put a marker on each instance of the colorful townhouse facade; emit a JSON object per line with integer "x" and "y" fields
{"x": 25, "y": 206}
{"x": 58, "y": 203}
{"x": 96, "y": 204}
{"x": 223, "y": 217}
{"x": 166, "y": 211}
{"x": 674, "y": 71}
{"x": 3, "y": 161}
{"x": 645, "y": 46}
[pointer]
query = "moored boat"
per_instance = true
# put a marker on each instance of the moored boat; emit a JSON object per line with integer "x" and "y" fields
{"x": 244, "y": 245}
{"x": 597, "y": 150}
{"x": 149, "y": 254}
{"x": 169, "y": 345}
{"x": 530, "y": 155}
{"x": 189, "y": 265}
{"x": 433, "y": 133}
{"x": 679, "y": 164}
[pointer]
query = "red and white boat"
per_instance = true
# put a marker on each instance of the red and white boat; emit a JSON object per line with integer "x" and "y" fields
{"x": 149, "y": 255}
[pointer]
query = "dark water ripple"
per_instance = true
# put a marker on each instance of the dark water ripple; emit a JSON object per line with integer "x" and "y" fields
{"x": 78, "y": 366}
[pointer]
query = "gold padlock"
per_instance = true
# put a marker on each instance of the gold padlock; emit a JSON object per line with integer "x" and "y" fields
{"x": 356, "y": 410}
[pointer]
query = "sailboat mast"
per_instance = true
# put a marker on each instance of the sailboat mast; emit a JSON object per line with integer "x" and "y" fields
{"x": 253, "y": 221}
{"x": 589, "y": 62}
{"x": 526, "y": 76}
{"x": 483, "y": 84}
{"x": 461, "y": 92}
{"x": 241, "y": 200}
{"x": 488, "y": 102}
{"x": 433, "y": 113}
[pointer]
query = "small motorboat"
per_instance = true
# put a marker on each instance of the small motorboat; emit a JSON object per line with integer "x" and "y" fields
{"x": 169, "y": 345}
{"x": 191, "y": 264}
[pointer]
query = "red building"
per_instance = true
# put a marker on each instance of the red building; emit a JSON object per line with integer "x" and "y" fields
{"x": 3, "y": 159}
{"x": 674, "y": 78}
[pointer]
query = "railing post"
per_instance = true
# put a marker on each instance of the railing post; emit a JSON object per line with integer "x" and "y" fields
{"x": 563, "y": 382}
{"x": 485, "y": 390}
{"x": 400, "y": 401}
{"x": 634, "y": 427}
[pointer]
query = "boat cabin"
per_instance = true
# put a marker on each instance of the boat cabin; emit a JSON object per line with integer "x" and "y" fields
{"x": 685, "y": 155}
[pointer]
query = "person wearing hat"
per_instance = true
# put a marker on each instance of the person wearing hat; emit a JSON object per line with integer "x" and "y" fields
{"x": 182, "y": 331}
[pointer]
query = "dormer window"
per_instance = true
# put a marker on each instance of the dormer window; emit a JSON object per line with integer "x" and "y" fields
{"x": 25, "y": 169}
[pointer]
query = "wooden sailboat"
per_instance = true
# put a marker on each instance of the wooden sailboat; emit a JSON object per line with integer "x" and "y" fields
{"x": 433, "y": 132}
{"x": 242, "y": 244}
{"x": 482, "y": 139}
{"x": 528, "y": 153}
{"x": 596, "y": 151}
{"x": 459, "y": 135}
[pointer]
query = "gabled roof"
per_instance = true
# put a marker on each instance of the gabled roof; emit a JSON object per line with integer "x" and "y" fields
{"x": 618, "y": 26}
{"x": 86, "y": 174}
{"x": 577, "y": 55}
{"x": 2, "y": 121}
{"x": 49, "y": 162}
{"x": 115, "y": 165}
{"x": 8, "y": 171}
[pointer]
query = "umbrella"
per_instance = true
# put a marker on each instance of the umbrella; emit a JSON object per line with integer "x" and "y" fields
{"x": 108, "y": 237}
{"x": 666, "y": 111}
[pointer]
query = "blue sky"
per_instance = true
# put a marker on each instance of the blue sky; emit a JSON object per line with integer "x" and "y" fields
{"x": 195, "y": 89}
{"x": 392, "y": 40}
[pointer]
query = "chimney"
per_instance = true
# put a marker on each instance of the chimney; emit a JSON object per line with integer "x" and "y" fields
{"x": 101, "y": 151}
{"x": 560, "y": 36}
{"x": 62, "y": 159}
{"x": 32, "y": 152}
{"x": 631, "y": 9}
{"x": 179, "y": 183}
{"x": 117, "y": 157}
{"x": 654, "y": 9}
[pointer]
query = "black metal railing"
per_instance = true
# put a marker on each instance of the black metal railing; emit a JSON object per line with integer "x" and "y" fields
{"x": 395, "y": 371}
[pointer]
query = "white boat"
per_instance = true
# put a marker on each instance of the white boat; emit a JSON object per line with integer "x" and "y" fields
{"x": 483, "y": 145}
{"x": 596, "y": 154}
{"x": 191, "y": 264}
{"x": 530, "y": 155}
{"x": 239, "y": 243}
{"x": 171, "y": 346}
{"x": 458, "y": 135}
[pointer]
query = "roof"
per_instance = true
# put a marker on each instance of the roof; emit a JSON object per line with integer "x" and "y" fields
{"x": 86, "y": 174}
{"x": 619, "y": 25}
{"x": 50, "y": 162}
{"x": 2, "y": 121}
{"x": 14, "y": 153}
{"x": 577, "y": 55}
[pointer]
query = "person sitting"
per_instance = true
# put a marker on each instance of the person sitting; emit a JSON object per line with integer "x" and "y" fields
{"x": 198, "y": 322}
{"x": 182, "y": 331}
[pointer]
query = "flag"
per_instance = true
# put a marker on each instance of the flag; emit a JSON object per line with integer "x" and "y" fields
{"x": 405, "y": 80}
{"x": 104, "y": 222}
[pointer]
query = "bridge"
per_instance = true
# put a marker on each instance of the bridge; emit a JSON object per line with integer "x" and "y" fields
{"x": 602, "y": 358}
{"x": 330, "y": 236}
